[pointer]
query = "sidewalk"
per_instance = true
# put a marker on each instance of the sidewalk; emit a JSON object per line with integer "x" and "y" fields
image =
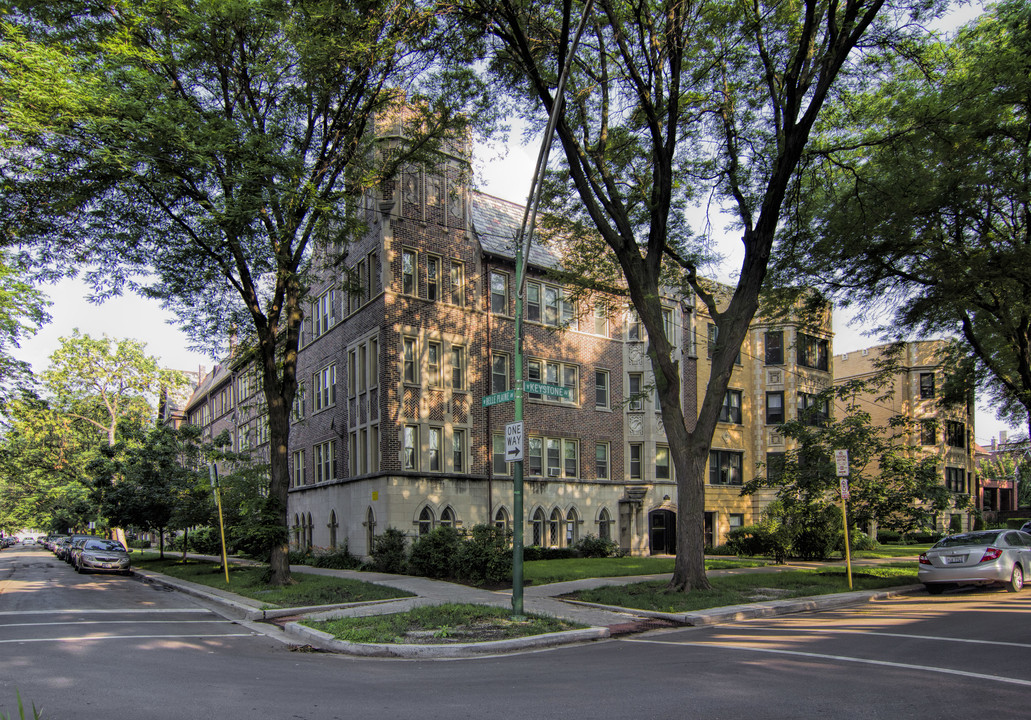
{"x": 602, "y": 621}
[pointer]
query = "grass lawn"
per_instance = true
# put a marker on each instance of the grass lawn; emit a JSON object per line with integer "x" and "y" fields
{"x": 541, "y": 572}
{"x": 747, "y": 588}
{"x": 441, "y": 624}
{"x": 249, "y": 581}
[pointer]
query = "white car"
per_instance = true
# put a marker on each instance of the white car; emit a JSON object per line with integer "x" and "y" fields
{"x": 986, "y": 557}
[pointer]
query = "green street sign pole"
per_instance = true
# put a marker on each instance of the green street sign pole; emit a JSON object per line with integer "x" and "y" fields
{"x": 523, "y": 241}
{"x": 517, "y": 470}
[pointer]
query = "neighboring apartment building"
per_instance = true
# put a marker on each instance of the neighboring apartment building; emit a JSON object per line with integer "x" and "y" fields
{"x": 390, "y": 428}
{"x": 946, "y": 432}
{"x": 998, "y": 497}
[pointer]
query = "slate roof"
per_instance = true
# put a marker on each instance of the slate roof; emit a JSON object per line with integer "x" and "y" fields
{"x": 496, "y": 224}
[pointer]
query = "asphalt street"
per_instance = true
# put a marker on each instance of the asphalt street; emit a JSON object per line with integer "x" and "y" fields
{"x": 104, "y": 646}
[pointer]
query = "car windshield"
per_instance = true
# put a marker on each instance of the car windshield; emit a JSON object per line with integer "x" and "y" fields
{"x": 978, "y": 538}
{"x": 103, "y": 545}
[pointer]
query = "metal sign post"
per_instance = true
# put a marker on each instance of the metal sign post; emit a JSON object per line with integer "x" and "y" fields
{"x": 841, "y": 460}
{"x": 217, "y": 491}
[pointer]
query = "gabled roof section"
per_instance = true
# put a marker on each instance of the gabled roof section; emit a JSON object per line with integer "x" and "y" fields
{"x": 496, "y": 224}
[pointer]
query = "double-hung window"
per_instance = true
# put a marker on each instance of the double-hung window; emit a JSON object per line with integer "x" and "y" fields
{"x": 410, "y": 371}
{"x": 725, "y": 467}
{"x": 324, "y": 313}
{"x": 775, "y": 408}
{"x": 730, "y": 411}
{"x": 432, "y": 278}
{"x": 813, "y": 410}
{"x": 812, "y": 352}
{"x": 410, "y": 447}
{"x": 324, "y": 383}
{"x": 926, "y": 385}
{"x": 457, "y": 283}
{"x": 498, "y": 372}
{"x": 498, "y": 293}
{"x": 775, "y": 347}
{"x": 635, "y": 392}
{"x": 409, "y": 272}
{"x": 433, "y": 357}
{"x": 601, "y": 389}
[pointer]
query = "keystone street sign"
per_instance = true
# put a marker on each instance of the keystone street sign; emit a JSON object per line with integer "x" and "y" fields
{"x": 539, "y": 388}
{"x": 498, "y": 398}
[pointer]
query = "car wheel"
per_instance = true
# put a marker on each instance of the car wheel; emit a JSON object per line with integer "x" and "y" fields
{"x": 936, "y": 588}
{"x": 1016, "y": 579}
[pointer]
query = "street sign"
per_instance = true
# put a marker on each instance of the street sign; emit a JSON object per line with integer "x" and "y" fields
{"x": 844, "y": 489}
{"x": 498, "y": 398}
{"x": 514, "y": 442}
{"x": 841, "y": 460}
{"x": 539, "y": 388}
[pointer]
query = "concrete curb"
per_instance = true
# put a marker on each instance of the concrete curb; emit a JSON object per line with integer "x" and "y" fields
{"x": 246, "y": 608}
{"x": 769, "y": 608}
{"x": 325, "y": 641}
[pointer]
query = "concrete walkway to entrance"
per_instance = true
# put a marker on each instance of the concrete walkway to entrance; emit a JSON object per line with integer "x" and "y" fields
{"x": 602, "y": 621}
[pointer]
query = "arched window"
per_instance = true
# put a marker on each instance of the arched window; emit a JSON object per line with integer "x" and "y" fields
{"x": 538, "y": 527}
{"x": 447, "y": 517}
{"x": 308, "y": 539}
{"x": 332, "y": 529}
{"x": 555, "y": 528}
{"x": 572, "y": 527}
{"x": 425, "y": 521}
{"x": 297, "y": 532}
{"x": 501, "y": 520}
{"x": 604, "y": 520}
{"x": 370, "y": 530}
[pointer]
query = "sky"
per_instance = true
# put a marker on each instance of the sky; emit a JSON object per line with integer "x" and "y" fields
{"x": 506, "y": 175}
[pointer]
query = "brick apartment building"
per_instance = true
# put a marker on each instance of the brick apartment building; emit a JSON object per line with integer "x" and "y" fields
{"x": 944, "y": 431}
{"x": 390, "y": 429}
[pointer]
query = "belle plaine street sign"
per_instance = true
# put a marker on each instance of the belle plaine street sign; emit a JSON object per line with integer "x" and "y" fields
{"x": 531, "y": 388}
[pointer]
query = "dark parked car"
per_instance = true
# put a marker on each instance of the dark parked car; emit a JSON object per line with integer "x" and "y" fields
{"x": 987, "y": 557}
{"x": 97, "y": 555}
{"x": 76, "y": 542}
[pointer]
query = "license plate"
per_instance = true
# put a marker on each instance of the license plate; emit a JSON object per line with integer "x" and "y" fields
{"x": 106, "y": 565}
{"x": 954, "y": 559}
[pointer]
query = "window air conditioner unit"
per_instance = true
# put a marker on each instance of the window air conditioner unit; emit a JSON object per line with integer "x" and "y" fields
{"x": 554, "y": 472}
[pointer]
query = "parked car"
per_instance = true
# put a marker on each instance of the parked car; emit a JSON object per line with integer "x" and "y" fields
{"x": 98, "y": 555}
{"x": 986, "y": 557}
{"x": 75, "y": 545}
{"x": 1026, "y": 527}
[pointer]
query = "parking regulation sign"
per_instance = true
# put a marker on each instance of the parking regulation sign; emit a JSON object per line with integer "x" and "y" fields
{"x": 514, "y": 442}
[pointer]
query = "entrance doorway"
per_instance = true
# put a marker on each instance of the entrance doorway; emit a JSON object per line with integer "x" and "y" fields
{"x": 662, "y": 531}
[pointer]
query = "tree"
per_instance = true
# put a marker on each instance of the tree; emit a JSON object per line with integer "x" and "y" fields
{"x": 922, "y": 205}
{"x": 223, "y": 152}
{"x": 116, "y": 377}
{"x": 44, "y": 460}
{"x": 890, "y": 481}
{"x": 22, "y": 312}
{"x": 670, "y": 102}
{"x": 156, "y": 481}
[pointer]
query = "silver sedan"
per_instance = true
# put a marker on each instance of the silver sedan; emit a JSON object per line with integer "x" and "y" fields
{"x": 986, "y": 557}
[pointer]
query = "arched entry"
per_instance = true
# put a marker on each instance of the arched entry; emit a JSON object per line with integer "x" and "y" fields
{"x": 662, "y": 532}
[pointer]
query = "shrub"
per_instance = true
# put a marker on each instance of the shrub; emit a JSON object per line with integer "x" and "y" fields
{"x": 336, "y": 558}
{"x": 724, "y": 549}
{"x": 885, "y": 537}
{"x": 817, "y": 534}
{"x": 485, "y": 558}
{"x": 390, "y": 552}
{"x": 1016, "y": 523}
{"x": 592, "y": 546}
{"x": 532, "y": 553}
{"x": 435, "y": 554}
{"x": 206, "y": 541}
{"x": 765, "y": 540}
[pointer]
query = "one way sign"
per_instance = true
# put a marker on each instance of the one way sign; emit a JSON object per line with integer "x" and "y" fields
{"x": 514, "y": 442}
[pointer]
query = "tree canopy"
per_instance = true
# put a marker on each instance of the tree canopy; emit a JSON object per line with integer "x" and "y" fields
{"x": 671, "y": 102}
{"x": 921, "y": 203}
{"x": 213, "y": 150}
